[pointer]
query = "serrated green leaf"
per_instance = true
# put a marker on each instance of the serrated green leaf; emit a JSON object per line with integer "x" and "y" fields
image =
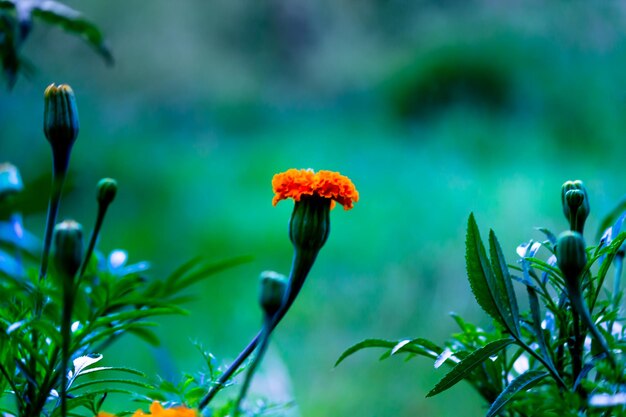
{"x": 463, "y": 368}
{"x": 74, "y": 22}
{"x": 504, "y": 296}
{"x": 479, "y": 271}
{"x": 522, "y": 382}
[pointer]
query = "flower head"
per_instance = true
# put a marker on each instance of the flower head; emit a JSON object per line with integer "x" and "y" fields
{"x": 295, "y": 183}
{"x": 157, "y": 410}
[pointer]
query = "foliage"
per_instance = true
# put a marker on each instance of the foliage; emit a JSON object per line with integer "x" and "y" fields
{"x": 547, "y": 360}
{"x": 17, "y": 18}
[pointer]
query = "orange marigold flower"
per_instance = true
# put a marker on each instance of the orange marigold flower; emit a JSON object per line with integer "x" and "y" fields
{"x": 157, "y": 410}
{"x": 105, "y": 414}
{"x": 294, "y": 183}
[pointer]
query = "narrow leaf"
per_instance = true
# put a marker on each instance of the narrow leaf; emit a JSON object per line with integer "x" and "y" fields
{"x": 365, "y": 344}
{"x": 463, "y": 368}
{"x": 479, "y": 271}
{"x": 535, "y": 312}
{"x": 521, "y": 383}
{"x": 504, "y": 296}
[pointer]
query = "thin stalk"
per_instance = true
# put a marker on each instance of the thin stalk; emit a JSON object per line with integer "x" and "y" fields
{"x": 537, "y": 356}
{"x": 53, "y": 209}
{"x": 102, "y": 209}
{"x": 300, "y": 267}
{"x": 617, "y": 282}
{"x": 576, "y": 348}
{"x": 66, "y": 323}
{"x": 18, "y": 399}
{"x": 265, "y": 338}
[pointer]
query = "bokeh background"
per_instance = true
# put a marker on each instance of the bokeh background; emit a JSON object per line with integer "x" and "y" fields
{"x": 435, "y": 109}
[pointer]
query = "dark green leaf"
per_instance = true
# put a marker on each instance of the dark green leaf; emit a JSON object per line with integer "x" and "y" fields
{"x": 535, "y": 312}
{"x": 521, "y": 383}
{"x": 74, "y": 22}
{"x": 504, "y": 296}
{"x": 463, "y": 368}
{"x": 479, "y": 271}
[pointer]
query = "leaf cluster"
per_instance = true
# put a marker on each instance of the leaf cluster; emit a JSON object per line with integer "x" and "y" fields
{"x": 542, "y": 361}
{"x": 111, "y": 299}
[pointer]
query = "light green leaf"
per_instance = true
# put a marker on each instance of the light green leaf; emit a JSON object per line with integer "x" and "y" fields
{"x": 504, "y": 296}
{"x": 463, "y": 368}
{"x": 521, "y": 383}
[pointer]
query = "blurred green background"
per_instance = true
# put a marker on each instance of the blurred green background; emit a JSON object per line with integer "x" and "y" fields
{"x": 434, "y": 109}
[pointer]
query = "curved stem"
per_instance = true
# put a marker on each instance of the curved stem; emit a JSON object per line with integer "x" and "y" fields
{"x": 537, "y": 356}
{"x": 264, "y": 342}
{"x": 102, "y": 209}
{"x": 53, "y": 209}
{"x": 300, "y": 267}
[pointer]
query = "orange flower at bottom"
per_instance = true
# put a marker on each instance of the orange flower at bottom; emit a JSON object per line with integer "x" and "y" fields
{"x": 294, "y": 183}
{"x": 157, "y": 410}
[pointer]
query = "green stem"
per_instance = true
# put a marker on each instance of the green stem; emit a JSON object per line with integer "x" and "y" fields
{"x": 102, "y": 209}
{"x": 576, "y": 348}
{"x": 264, "y": 342}
{"x": 53, "y": 209}
{"x": 18, "y": 399}
{"x": 66, "y": 334}
{"x": 580, "y": 307}
{"x": 300, "y": 267}
{"x": 537, "y": 356}
{"x": 619, "y": 263}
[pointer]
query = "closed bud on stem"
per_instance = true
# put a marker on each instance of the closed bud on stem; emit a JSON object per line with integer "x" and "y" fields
{"x": 107, "y": 189}
{"x": 571, "y": 257}
{"x": 309, "y": 225}
{"x": 272, "y": 290}
{"x": 68, "y": 247}
{"x": 60, "y": 123}
{"x": 575, "y": 203}
{"x": 10, "y": 180}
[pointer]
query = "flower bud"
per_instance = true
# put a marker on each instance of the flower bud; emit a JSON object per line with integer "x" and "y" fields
{"x": 60, "y": 123}
{"x": 272, "y": 291}
{"x": 309, "y": 225}
{"x": 68, "y": 247}
{"x": 107, "y": 189}
{"x": 575, "y": 204}
{"x": 571, "y": 256}
{"x": 10, "y": 180}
